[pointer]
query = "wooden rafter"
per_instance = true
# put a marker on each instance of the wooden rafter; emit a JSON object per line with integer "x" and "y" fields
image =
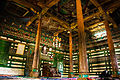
{"x": 46, "y": 7}
{"x": 24, "y": 3}
{"x": 94, "y": 25}
{"x": 97, "y": 5}
{"x": 44, "y": 10}
{"x": 56, "y": 33}
{"x": 63, "y": 23}
{"x": 116, "y": 4}
{"x": 103, "y": 12}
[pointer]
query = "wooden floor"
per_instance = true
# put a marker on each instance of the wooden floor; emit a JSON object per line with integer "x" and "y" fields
{"x": 23, "y": 78}
{"x": 51, "y": 78}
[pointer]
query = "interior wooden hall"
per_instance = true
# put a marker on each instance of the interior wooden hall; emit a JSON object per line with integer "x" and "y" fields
{"x": 60, "y": 39}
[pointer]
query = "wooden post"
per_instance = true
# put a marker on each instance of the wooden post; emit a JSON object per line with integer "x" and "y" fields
{"x": 70, "y": 50}
{"x": 83, "y": 64}
{"x": 36, "y": 57}
{"x": 111, "y": 49}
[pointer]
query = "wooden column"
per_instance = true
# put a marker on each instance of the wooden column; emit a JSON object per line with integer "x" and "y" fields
{"x": 70, "y": 50}
{"x": 36, "y": 57}
{"x": 83, "y": 65}
{"x": 111, "y": 49}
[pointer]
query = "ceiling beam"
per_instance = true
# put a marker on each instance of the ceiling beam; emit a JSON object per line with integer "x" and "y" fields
{"x": 113, "y": 5}
{"x": 91, "y": 16}
{"x": 85, "y": 19}
{"x": 103, "y": 12}
{"x": 97, "y": 5}
{"x": 44, "y": 9}
{"x": 98, "y": 28}
{"x": 56, "y": 33}
{"x": 24, "y": 3}
{"x": 28, "y": 5}
{"x": 63, "y": 23}
{"x": 94, "y": 25}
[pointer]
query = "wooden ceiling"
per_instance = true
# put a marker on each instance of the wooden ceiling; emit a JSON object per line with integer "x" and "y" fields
{"x": 59, "y": 16}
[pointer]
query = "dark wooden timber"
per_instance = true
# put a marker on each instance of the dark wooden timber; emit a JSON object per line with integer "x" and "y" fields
{"x": 70, "y": 50}
{"x": 83, "y": 65}
{"x": 36, "y": 54}
{"x": 111, "y": 49}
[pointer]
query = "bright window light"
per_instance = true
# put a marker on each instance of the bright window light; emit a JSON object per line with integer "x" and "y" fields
{"x": 100, "y": 34}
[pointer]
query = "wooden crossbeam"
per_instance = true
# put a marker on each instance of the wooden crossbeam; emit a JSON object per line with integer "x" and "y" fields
{"x": 46, "y": 7}
{"x": 91, "y": 16}
{"x": 63, "y": 23}
{"x": 56, "y": 33}
{"x": 116, "y": 4}
{"x": 97, "y": 5}
{"x": 103, "y": 12}
{"x": 94, "y": 25}
{"x": 32, "y": 7}
{"x": 24, "y": 3}
{"x": 44, "y": 10}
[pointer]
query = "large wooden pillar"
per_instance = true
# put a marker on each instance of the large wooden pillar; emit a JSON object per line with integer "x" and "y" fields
{"x": 111, "y": 49}
{"x": 70, "y": 51}
{"x": 83, "y": 65}
{"x": 35, "y": 65}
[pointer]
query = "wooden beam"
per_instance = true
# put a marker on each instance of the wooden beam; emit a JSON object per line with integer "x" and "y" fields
{"x": 28, "y": 5}
{"x": 113, "y": 22}
{"x": 91, "y": 16}
{"x": 94, "y": 14}
{"x": 111, "y": 49}
{"x": 97, "y": 5}
{"x": 53, "y": 3}
{"x": 73, "y": 25}
{"x": 97, "y": 28}
{"x": 63, "y": 23}
{"x": 94, "y": 25}
{"x": 56, "y": 33}
{"x": 87, "y": 28}
{"x": 115, "y": 4}
{"x": 44, "y": 10}
{"x": 24, "y": 3}
{"x": 103, "y": 12}
{"x": 32, "y": 7}
{"x": 31, "y": 20}
{"x": 83, "y": 64}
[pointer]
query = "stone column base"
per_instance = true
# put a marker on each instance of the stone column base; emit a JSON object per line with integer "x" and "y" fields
{"x": 71, "y": 74}
{"x": 34, "y": 74}
{"x": 114, "y": 75}
{"x": 82, "y": 79}
{"x": 83, "y": 75}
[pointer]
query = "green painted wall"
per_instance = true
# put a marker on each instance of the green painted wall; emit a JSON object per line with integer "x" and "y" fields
{"x": 4, "y": 49}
